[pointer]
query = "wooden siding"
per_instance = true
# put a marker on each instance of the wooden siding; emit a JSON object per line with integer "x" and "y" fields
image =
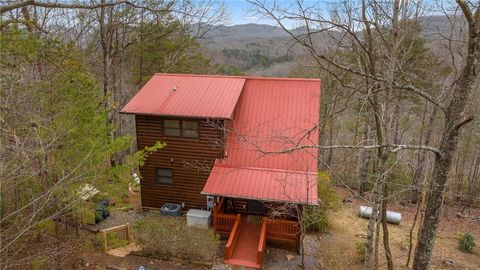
{"x": 190, "y": 159}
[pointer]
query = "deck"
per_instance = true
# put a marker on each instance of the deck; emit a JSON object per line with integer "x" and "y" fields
{"x": 248, "y": 235}
{"x": 245, "y": 249}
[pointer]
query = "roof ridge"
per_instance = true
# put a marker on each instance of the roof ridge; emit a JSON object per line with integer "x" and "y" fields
{"x": 238, "y": 77}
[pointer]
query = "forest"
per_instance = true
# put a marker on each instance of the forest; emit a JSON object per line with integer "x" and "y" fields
{"x": 398, "y": 123}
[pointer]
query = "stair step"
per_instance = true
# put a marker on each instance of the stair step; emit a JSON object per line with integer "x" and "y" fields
{"x": 243, "y": 263}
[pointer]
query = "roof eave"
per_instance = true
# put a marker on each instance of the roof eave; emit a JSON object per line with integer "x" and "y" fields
{"x": 259, "y": 199}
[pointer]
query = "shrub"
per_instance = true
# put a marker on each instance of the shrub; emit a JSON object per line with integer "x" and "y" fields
{"x": 169, "y": 238}
{"x": 316, "y": 217}
{"x": 466, "y": 243}
{"x": 361, "y": 250}
{"x": 328, "y": 197}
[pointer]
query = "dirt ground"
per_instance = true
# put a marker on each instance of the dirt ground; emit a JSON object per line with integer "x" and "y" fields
{"x": 338, "y": 251}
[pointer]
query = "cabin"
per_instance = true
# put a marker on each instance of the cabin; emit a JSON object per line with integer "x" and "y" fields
{"x": 228, "y": 142}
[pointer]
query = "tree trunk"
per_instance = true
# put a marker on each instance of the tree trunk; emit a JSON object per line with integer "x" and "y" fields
{"x": 419, "y": 175}
{"x": 449, "y": 140}
{"x": 368, "y": 136}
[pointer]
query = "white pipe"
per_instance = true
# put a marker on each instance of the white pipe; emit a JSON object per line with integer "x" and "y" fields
{"x": 392, "y": 217}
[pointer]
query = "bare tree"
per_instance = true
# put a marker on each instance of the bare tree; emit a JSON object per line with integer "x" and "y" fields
{"x": 461, "y": 90}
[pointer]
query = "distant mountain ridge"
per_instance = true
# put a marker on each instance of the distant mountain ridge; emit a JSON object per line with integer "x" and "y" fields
{"x": 266, "y": 50}
{"x": 242, "y": 31}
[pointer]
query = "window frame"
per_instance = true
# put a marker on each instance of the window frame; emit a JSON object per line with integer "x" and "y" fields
{"x": 157, "y": 176}
{"x": 165, "y": 128}
{"x": 181, "y": 128}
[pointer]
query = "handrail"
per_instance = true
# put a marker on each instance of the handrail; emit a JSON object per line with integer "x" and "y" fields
{"x": 223, "y": 222}
{"x": 262, "y": 243}
{"x": 283, "y": 230}
{"x": 232, "y": 239}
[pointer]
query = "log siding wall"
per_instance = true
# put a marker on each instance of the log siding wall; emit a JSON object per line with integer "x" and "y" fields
{"x": 190, "y": 159}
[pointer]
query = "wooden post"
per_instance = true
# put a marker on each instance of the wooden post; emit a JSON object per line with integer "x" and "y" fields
{"x": 127, "y": 230}
{"x": 105, "y": 246}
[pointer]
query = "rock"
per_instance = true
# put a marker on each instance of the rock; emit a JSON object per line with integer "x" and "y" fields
{"x": 449, "y": 263}
{"x": 290, "y": 257}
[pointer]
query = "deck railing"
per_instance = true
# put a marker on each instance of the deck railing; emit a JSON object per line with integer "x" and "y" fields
{"x": 224, "y": 222}
{"x": 232, "y": 239}
{"x": 262, "y": 243}
{"x": 277, "y": 230}
{"x": 283, "y": 230}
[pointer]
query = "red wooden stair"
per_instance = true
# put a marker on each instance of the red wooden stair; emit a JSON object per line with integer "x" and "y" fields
{"x": 246, "y": 244}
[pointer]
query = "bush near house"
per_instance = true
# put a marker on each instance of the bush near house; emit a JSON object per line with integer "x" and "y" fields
{"x": 316, "y": 217}
{"x": 171, "y": 239}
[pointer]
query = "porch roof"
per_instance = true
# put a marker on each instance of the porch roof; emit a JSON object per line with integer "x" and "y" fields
{"x": 262, "y": 184}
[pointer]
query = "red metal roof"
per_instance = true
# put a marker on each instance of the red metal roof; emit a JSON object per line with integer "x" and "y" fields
{"x": 272, "y": 115}
{"x": 188, "y": 96}
{"x": 263, "y": 184}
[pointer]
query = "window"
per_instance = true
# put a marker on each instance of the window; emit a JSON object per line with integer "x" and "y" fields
{"x": 172, "y": 128}
{"x": 164, "y": 176}
{"x": 176, "y": 128}
{"x": 190, "y": 129}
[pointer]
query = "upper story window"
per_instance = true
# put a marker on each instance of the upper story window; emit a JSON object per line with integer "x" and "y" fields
{"x": 180, "y": 128}
{"x": 171, "y": 128}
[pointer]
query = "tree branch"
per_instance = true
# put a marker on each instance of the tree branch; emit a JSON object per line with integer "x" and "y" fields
{"x": 395, "y": 148}
{"x": 26, "y": 3}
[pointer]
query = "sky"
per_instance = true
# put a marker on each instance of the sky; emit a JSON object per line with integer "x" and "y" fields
{"x": 241, "y": 12}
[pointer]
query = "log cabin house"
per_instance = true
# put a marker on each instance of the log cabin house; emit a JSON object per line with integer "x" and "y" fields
{"x": 226, "y": 138}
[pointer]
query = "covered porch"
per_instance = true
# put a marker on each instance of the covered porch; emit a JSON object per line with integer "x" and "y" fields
{"x": 252, "y": 208}
{"x": 249, "y": 232}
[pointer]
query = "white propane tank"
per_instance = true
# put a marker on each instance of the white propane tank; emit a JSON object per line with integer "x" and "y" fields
{"x": 392, "y": 217}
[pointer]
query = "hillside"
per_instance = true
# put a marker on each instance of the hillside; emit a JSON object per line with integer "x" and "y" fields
{"x": 265, "y": 50}
{"x": 255, "y": 49}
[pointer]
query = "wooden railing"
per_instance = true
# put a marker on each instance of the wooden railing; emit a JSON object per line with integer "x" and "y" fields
{"x": 283, "y": 230}
{"x": 262, "y": 243}
{"x": 125, "y": 228}
{"x": 224, "y": 222}
{"x": 232, "y": 239}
